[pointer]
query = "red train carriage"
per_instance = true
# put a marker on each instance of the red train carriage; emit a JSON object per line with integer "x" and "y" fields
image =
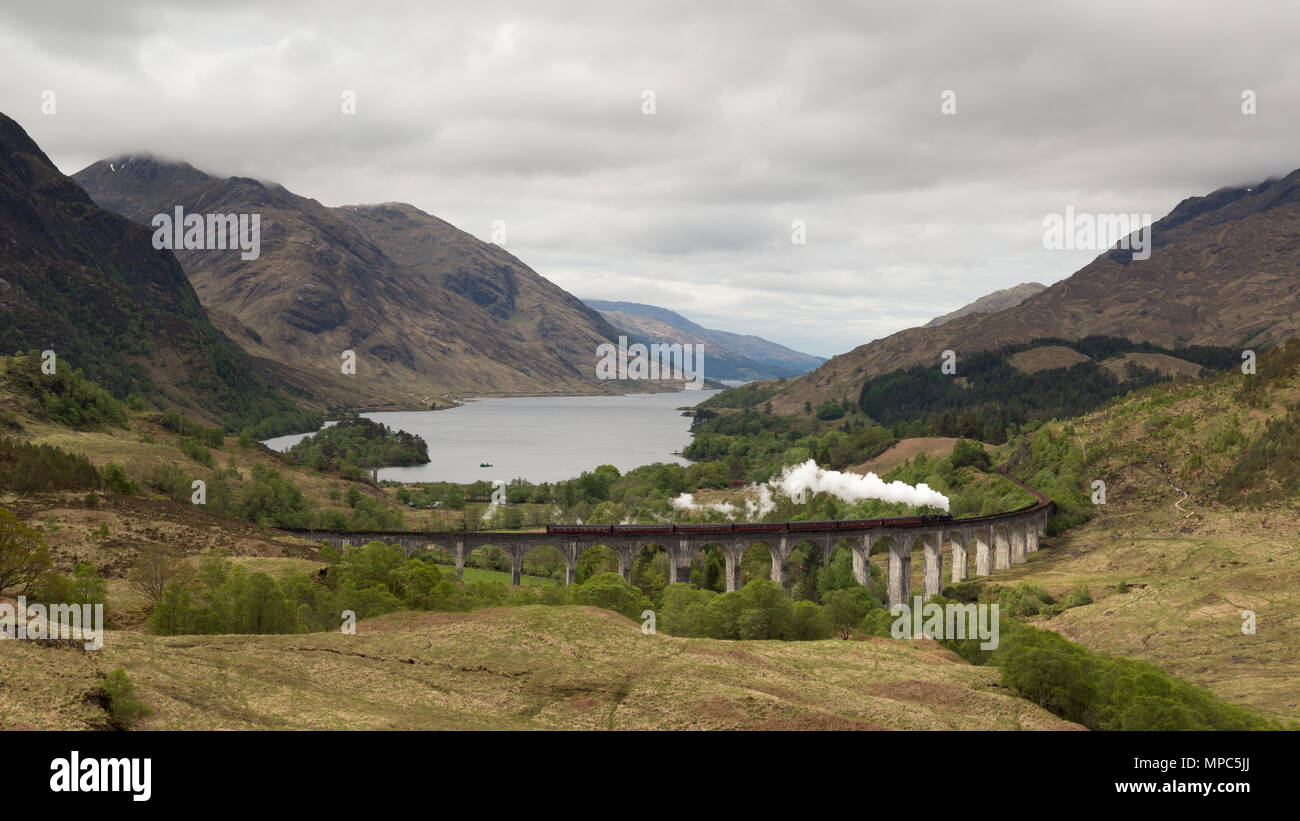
{"x": 640, "y": 530}
{"x": 724, "y": 527}
{"x": 820, "y": 525}
{"x": 751, "y": 527}
{"x": 855, "y": 524}
{"x": 759, "y": 527}
{"x": 578, "y": 529}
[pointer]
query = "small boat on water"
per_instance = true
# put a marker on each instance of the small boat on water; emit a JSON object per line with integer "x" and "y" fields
{"x": 485, "y": 464}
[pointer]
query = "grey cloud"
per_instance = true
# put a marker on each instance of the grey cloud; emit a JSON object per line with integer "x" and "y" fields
{"x": 766, "y": 112}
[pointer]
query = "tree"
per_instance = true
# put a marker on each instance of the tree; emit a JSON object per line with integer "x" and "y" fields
{"x": 714, "y": 576}
{"x": 115, "y": 479}
{"x": 845, "y": 608}
{"x": 830, "y": 410}
{"x": 650, "y": 572}
{"x": 594, "y": 561}
{"x": 808, "y": 622}
{"x": 261, "y": 606}
{"x": 156, "y": 568}
{"x": 544, "y": 560}
{"x": 966, "y": 452}
{"x": 23, "y": 554}
{"x": 805, "y": 588}
{"x": 612, "y": 592}
{"x": 766, "y": 611}
{"x": 682, "y": 610}
{"x": 1049, "y": 670}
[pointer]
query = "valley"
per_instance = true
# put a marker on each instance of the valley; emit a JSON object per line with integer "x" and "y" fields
{"x": 148, "y": 363}
{"x": 377, "y": 379}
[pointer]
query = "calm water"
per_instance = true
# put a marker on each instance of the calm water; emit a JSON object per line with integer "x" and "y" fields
{"x": 542, "y": 439}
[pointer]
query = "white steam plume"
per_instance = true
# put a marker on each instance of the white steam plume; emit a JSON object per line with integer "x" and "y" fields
{"x": 686, "y": 502}
{"x": 796, "y": 480}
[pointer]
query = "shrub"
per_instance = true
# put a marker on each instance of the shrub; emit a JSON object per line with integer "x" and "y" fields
{"x": 808, "y": 622}
{"x": 172, "y": 482}
{"x": 272, "y": 500}
{"x": 1024, "y": 600}
{"x": 124, "y": 709}
{"x": 27, "y": 468}
{"x": 1077, "y": 597}
{"x": 683, "y": 610}
{"x": 966, "y": 452}
{"x": 194, "y": 449}
{"x": 115, "y": 480}
{"x": 846, "y": 608}
{"x": 24, "y": 557}
{"x": 1104, "y": 693}
{"x": 612, "y": 592}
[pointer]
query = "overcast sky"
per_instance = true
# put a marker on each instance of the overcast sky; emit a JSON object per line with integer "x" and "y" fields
{"x": 765, "y": 113}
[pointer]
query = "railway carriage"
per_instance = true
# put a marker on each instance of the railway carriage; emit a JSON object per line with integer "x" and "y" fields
{"x": 747, "y": 527}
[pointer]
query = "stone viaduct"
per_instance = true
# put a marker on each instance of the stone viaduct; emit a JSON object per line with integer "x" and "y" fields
{"x": 994, "y": 542}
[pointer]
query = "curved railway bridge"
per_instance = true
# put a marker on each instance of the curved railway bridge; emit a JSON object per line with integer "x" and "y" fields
{"x": 994, "y": 542}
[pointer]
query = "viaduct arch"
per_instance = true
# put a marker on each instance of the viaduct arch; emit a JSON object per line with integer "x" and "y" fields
{"x": 997, "y": 542}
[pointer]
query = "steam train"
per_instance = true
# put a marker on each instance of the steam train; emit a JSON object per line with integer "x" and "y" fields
{"x": 745, "y": 527}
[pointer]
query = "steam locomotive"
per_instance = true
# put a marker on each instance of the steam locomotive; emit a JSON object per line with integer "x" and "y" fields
{"x": 746, "y": 527}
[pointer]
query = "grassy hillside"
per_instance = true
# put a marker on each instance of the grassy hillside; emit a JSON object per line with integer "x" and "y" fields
{"x": 88, "y": 285}
{"x": 1200, "y": 522}
{"x": 1191, "y": 564}
{"x": 512, "y": 668}
{"x": 83, "y": 519}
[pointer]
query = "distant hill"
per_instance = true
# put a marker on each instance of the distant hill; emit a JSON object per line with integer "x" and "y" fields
{"x": 1224, "y": 270}
{"x": 429, "y": 310}
{"x": 992, "y": 391}
{"x": 727, "y": 355}
{"x": 991, "y": 303}
{"x": 88, "y": 284}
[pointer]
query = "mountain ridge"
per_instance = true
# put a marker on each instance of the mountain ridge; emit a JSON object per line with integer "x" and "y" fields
{"x": 730, "y": 355}
{"x": 1224, "y": 270}
{"x": 430, "y": 311}
{"x": 88, "y": 284}
{"x": 991, "y": 303}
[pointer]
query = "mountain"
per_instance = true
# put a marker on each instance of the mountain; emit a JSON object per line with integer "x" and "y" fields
{"x": 429, "y": 311}
{"x": 89, "y": 285}
{"x": 1224, "y": 270}
{"x": 727, "y": 355}
{"x": 991, "y": 303}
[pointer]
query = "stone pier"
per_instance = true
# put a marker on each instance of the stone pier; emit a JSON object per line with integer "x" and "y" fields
{"x": 997, "y": 541}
